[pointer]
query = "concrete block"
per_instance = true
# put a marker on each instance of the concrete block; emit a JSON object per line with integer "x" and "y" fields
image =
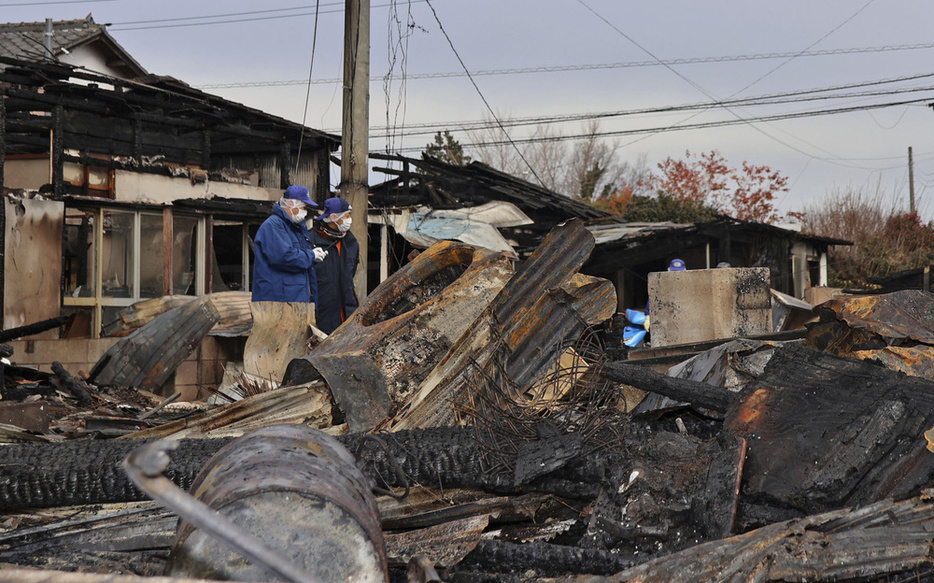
{"x": 209, "y": 348}
{"x": 818, "y": 295}
{"x": 186, "y": 374}
{"x": 709, "y": 304}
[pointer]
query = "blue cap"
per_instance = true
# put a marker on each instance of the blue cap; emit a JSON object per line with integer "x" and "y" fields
{"x": 297, "y": 192}
{"x": 676, "y": 265}
{"x": 335, "y": 205}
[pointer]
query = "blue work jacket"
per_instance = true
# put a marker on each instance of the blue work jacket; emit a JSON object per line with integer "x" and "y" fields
{"x": 283, "y": 265}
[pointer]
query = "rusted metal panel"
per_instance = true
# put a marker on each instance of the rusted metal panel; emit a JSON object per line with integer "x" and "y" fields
{"x": 383, "y": 352}
{"x": 872, "y": 322}
{"x": 32, "y": 248}
{"x": 916, "y": 361}
{"x": 826, "y": 431}
{"x": 517, "y": 322}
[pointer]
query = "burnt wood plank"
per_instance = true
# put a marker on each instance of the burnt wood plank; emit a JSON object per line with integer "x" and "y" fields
{"x": 826, "y": 431}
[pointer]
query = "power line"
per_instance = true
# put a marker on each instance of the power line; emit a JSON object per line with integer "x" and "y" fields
{"x": 705, "y": 125}
{"x": 709, "y": 95}
{"x": 184, "y": 22}
{"x": 229, "y": 14}
{"x": 7, "y": 4}
{"x": 311, "y": 66}
{"x": 590, "y": 67}
{"x": 480, "y": 93}
{"x": 773, "y": 99}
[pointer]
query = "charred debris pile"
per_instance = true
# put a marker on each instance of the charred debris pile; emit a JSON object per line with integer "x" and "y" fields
{"x": 469, "y": 418}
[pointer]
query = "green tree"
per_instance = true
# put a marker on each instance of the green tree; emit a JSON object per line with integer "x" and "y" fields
{"x": 663, "y": 207}
{"x": 446, "y": 149}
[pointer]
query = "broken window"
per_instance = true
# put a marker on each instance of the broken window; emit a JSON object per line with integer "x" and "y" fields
{"x": 187, "y": 270}
{"x": 79, "y": 253}
{"x": 117, "y": 260}
{"x": 115, "y": 257}
{"x": 232, "y": 257}
{"x": 152, "y": 261}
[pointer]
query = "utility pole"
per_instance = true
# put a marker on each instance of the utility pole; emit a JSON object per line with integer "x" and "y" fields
{"x": 911, "y": 183}
{"x": 48, "y": 39}
{"x": 355, "y": 131}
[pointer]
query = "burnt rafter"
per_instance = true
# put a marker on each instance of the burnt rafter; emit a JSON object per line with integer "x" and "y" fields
{"x": 150, "y": 116}
{"x": 442, "y": 184}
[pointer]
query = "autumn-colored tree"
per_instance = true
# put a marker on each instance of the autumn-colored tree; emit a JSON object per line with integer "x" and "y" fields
{"x": 747, "y": 193}
{"x": 885, "y": 240}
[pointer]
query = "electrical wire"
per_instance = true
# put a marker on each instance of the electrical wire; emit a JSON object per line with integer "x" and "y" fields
{"x": 480, "y": 93}
{"x": 397, "y": 53}
{"x": 778, "y": 99}
{"x": 123, "y": 26}
{"x": 9, "y": 4}
{"x": 591, "y": 67}
{"x": 311, "y": 66}
{"x": 705, "y": 125}
{"x": 706, "y": 93}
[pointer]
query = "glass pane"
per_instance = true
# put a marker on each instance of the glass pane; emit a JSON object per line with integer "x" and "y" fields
{"x": 253, "y": 230}
{"x": 228, "y": 257}
{"x": 117, "y": 265}
{"x": 152, "y": 264}
{"x": 79, "y": 253}
{"x": 184, "y": 255}
{"x": 79, "y": 324}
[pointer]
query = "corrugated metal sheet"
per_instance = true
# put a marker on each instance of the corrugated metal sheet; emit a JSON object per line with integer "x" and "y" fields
{"x": 474, "y": 226}
{"x": 606, "y": 233}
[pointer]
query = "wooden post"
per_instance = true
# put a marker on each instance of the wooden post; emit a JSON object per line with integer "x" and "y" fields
{"x": 911, "y": 183}
{"x": 168, "y": 237}
{"x": 354, "y": 138}
{"x": 2, "y": 138}
{"x": 58, "y": 150}
{"x": 208, "y": 254}
{"x": 383, "y": 252}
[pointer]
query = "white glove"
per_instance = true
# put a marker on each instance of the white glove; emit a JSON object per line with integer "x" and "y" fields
{"x": 320, "y": 254}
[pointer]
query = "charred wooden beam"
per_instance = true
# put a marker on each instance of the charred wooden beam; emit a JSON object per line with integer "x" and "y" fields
{"x": 546, "y": 559}
{"x": 58, "y": 149}
{"x": 72, "y": 384}
{"x": 87, "y": 472}
{"x": 696, "y": 393}
{"x": 30, "y": 329}
{"x": 887, "y": 541}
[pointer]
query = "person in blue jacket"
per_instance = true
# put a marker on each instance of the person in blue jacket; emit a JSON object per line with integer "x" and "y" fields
{"x": 337, "y": 298}
{"x": 284, "y": 258}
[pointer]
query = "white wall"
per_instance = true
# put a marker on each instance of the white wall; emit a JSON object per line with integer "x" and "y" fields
{"x": 27, "y": 174}
{"x": 154, "y": 189}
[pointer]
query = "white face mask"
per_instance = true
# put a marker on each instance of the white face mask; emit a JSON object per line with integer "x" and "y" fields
{"x": 298, "y": 216}
{"x": 344, "y": 226}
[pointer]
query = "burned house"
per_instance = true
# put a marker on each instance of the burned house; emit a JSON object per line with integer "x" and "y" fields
{"x": 121, "y": 186}
{"x": 625, "y": 253}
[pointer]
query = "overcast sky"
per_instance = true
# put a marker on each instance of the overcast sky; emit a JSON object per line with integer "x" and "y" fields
{"x": 560, "y": 58}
